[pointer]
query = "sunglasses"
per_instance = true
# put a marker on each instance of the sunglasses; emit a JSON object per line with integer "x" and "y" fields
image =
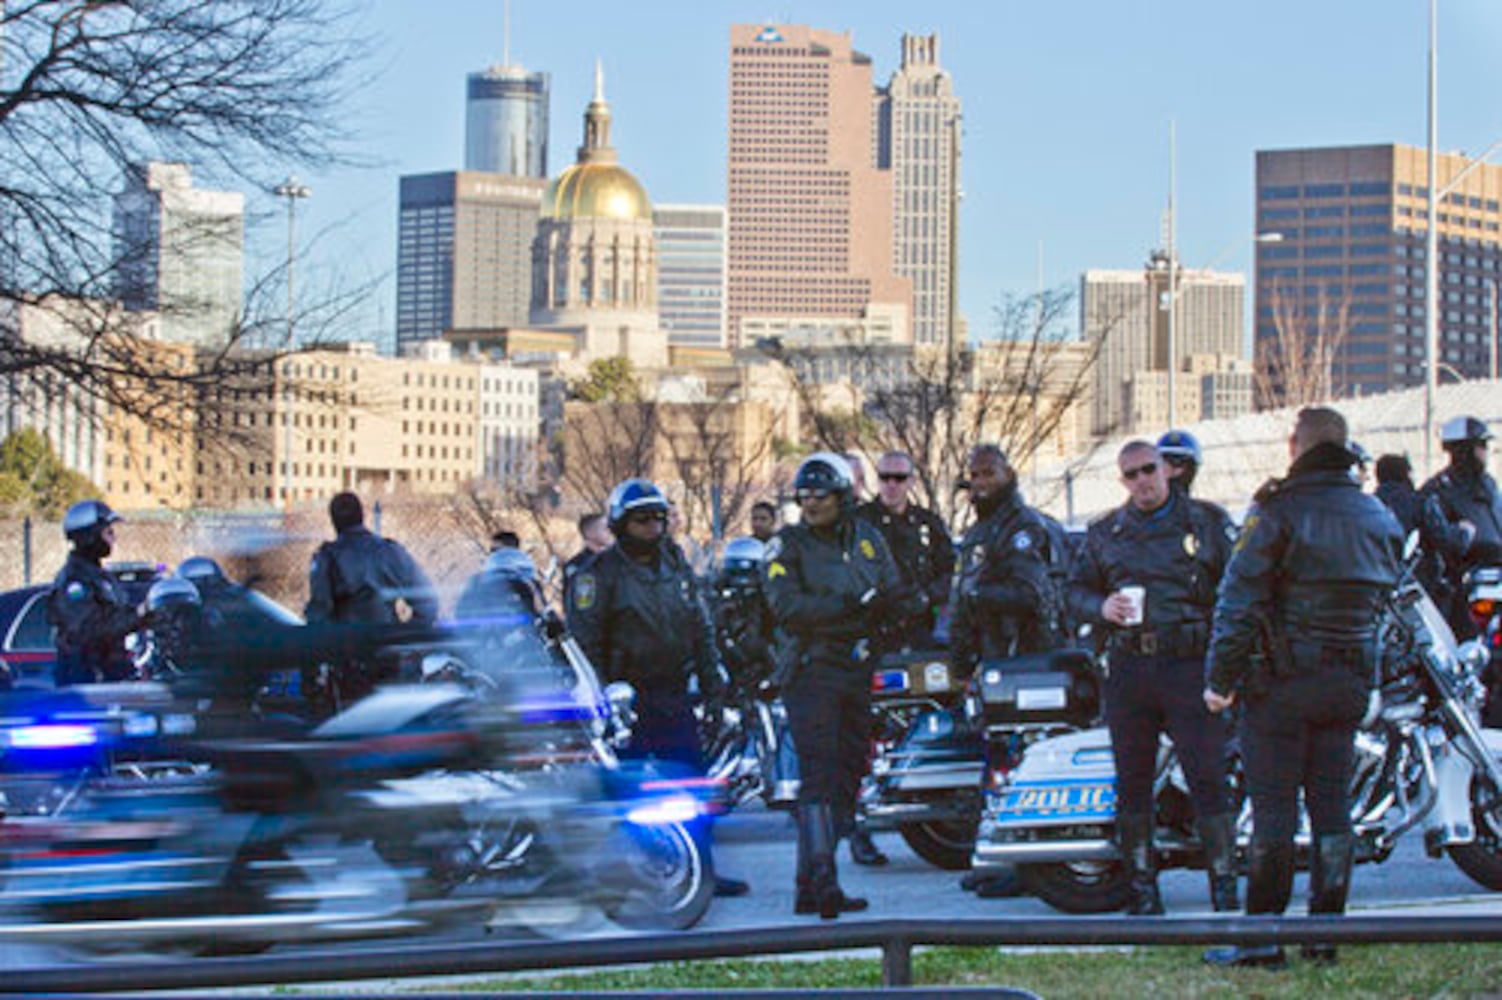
{"x": 894, "y": 477}
{"x": 647, "y": 517}
{"x": 813, "y": 495}
{"x": 1141, "y": 470}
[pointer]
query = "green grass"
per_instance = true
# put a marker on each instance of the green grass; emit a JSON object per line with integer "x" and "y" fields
{"x": 1367, "y": 971}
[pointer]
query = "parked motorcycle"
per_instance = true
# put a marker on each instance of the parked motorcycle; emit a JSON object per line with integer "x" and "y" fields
{"x": 1422, "y": 762}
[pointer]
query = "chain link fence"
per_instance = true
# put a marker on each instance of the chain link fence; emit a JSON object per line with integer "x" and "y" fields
{"x": 448, "y": 536}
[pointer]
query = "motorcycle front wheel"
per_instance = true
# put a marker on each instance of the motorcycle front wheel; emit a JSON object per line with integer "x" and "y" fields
{"x": 943, "y": 844}
{"x": 1078, "y": 886}
{"x": 663, "y": 877}
{"x": 1482, "y": 858}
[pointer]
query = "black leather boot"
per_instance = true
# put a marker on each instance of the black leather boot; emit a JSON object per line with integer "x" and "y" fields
{"x": 863, "y": 850}
{"x": 1268, "y": 885}
{"x": 1218, "y": 835}
{"x": 816, "y": 823}
{"x": 1136, "y": 833}
{"x": 804, "y": 902}
{"x": 1329, "y": 884}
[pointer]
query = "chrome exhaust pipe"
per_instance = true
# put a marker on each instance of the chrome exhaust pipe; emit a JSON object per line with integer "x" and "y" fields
{"x": 989, "y": 854}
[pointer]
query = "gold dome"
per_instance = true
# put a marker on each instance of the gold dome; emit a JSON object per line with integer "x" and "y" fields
{"x": 596, "y": 190}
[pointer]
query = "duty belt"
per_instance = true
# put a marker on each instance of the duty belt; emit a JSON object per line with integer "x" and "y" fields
{"x": 1184, "y": 639}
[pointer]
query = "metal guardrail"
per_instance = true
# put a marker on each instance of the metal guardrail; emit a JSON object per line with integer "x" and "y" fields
{"x": 896, "y": 940}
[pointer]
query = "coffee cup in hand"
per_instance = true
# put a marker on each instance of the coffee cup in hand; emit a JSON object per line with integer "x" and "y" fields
{"x": 1137, "y": 596}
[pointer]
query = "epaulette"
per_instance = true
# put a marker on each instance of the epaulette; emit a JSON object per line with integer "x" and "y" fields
{"x": 1267, "y": 491}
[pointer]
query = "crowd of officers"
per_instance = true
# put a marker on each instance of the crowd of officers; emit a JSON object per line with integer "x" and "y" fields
{"x": 1275, "y": 621}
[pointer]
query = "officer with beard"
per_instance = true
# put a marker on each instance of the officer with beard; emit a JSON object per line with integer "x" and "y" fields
{"x": 87, "y": 607}
{"x": 637, "y": 613}
{"x": 1005, "y": 600}
{"x": 1466, "y": 528}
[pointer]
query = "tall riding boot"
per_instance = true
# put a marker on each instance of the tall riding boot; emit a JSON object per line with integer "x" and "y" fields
{"x": 863, "y": 850}
{"x": 1268, "y": 885}
{"x": 816, "y": 827}
{"x": 1136, "y": 832}
{"x": 1218, "y": 835}
{"x": 1329, "y": 883}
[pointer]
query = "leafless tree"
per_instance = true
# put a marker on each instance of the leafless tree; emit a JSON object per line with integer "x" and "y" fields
{"x": 1296, "y": 365}
{"x": 605, "y": 443}
{"x": 242, "y": 90}
{"x": 720, "y": 455}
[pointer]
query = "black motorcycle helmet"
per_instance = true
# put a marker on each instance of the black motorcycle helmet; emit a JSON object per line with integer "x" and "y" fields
{"x": 84, "y": 524}
{"x": 743, "y": 562}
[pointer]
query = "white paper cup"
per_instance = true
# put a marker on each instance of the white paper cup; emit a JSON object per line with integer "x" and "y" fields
{"x": 1138, "y": 597}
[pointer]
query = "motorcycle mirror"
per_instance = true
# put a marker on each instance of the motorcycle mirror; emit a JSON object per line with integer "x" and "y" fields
{"x": 621, "y": 696}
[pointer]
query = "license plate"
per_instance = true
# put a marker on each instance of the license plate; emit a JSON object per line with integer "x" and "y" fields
{"x": 1084, "y": 801}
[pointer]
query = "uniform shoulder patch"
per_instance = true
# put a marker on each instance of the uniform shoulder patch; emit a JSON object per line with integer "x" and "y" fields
{"x": 867, "y": 549}
{"x": 585, "y": 590}
{"x": 1247, "y": 528}
{"x": 776, "y": 569}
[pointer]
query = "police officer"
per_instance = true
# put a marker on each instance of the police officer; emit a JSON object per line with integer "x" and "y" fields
{"x": 87, "y": 608}
{"x": 638, "y": 615}
{"x": 830, "y": 580}
{"x": 1147, "y": 576}
{"x": 361, "y": 578}
{"x": 1181, "y": 453}
{"x": 743, "y": 620}
{"x": 1005, "y": 602}
{"x": 919, "y": 543}
{"x": 1300, "y": 600}
{"x": 1466, "y": 528}
{"x": 763, "y": 520}
{"x": 1395, "y": 488}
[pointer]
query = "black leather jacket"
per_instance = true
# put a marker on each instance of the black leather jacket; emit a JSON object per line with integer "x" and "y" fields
{"x": 1177, "y": 553}
{"x": 1315, "y": 557}
{"x": 815, "y": 582}
{"x": 358, "y": 577}
{"x": 921, "y": 549}
{"x": 1004, "y": 596}
{"x": 1468, "y": 496}
{"x": 90, "y": 617}
{"x": 646, "y": 624}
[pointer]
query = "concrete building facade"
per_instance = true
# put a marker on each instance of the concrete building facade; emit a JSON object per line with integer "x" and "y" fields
{"x": 180, "y": 252}
{"x": 1349, "y": 268}
{"x": 691, "y": 267}
{"x": 918, "y": 140}
{"x": 810, "y": 211}
{"x": 464, "y": 252}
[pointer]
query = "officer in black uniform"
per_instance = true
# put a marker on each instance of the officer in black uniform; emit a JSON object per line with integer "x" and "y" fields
{"x": 1005, "y": 601}
{"x": 87, "y": 608}
{"x": 830, "y": 581}
{"x": 1172, "y": 550}
{"x": 1181, "y": 453}
{"x": 1466, "y": 528}
{"x": 361, "y": 578}
{"x": 743, "y": 620}
{"x": 638, "y": 615}
{"x": 1295, "y": 638}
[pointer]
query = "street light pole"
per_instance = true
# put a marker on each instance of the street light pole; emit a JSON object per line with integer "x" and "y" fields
{"x": 1431, "y": 249}
{"x": 292, "y": 191}
{"x": 1173, "y": 294}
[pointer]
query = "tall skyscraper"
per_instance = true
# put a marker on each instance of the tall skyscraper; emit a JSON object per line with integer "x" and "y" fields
{"x": 506, "y": 122}
{"x": 918, "y": 140}
{"x": 810, "y": 212}
{"x": 1349, "y": 267}
{"x": 691, "y": 273}
{"x": 464, "y": 252}
{"x": 180, "y": 252}
{"x": 1123, "y": 312}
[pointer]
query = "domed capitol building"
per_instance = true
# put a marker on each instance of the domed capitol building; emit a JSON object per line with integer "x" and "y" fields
{"x": 594, "y": 259}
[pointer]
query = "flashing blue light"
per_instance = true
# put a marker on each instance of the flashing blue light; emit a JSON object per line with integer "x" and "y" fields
{"x": 662, "y": 812}
{"x": 52, "y": 736}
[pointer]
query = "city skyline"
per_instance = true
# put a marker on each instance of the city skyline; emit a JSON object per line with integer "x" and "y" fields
{"x": 1053, "y": 99}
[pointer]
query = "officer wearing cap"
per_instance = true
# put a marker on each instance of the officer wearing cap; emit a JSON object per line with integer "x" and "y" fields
{"x": 1295, "y": 638}
{"x": 1147, "y": 579}
{"x": 831, "y": 583}
{"x": 87, "y": 608}
{"x": 1467, "y": 531}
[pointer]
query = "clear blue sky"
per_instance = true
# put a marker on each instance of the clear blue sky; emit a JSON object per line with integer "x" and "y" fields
{"x": 1066, "y": 106}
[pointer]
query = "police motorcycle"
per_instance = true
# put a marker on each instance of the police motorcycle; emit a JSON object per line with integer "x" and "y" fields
{"x": 747, "y": 743}
{"x": 1423, "y": 761}
{"x": 398, "y": 813}
{"x": 1483, "y": 590}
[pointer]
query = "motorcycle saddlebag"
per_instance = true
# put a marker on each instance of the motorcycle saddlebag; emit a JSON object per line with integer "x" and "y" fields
{"x": 1060, "y": 686}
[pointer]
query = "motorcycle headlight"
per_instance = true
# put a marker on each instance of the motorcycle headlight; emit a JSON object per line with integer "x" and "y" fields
{"x": 663, "y": 812}
{"x": 51, "y": 736}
